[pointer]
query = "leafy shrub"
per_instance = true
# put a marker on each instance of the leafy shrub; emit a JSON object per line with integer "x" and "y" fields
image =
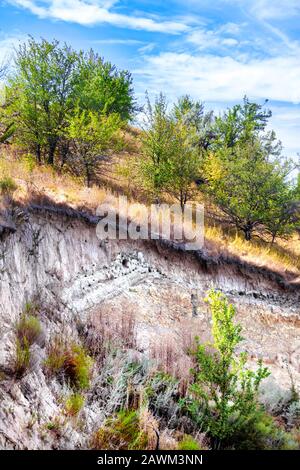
{"x": 122, "y": 432}
{"x": 223, "y": 396}
{"x": 74, "y": 403}
{"x": 72, "y": 362}
{"x": 292, "y": 415}
{"x": 188, "y": 443}
{"x": 261, "y": 432}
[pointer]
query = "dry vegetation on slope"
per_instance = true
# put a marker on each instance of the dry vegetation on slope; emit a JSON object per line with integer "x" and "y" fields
{"x": 40, "y": 181}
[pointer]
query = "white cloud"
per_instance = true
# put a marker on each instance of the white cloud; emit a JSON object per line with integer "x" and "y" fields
{"x": 7, "y": 45}
{"x": 267, "y": 9}
{"x": 223, "y": 79}
{"x": 209, "y": 39}
{"x": 275, "y": 9}
{"x": 148, "y": 48}
{"x": 116, "y": 41}
{"x": 232, "y": 28}
{"x": 286, "y": 123}
{"x": 91, "y": 12}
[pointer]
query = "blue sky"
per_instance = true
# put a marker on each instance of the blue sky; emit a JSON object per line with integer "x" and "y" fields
{"x": 217, "y": 51}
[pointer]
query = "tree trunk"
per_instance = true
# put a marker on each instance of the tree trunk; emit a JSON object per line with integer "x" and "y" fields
{"x": 64, "y": 153}
{"x": 273, "y": 239}
{"x": 51, "y": 152}
{"x": 88, "y": 177}
{"x": 183, "y": 198}
{"x": 248, "y": 232}
{"x": 38, "y": 153}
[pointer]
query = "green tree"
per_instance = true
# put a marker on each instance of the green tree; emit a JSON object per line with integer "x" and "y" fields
{"x": 7, "y": 128}
{"x": 283, "y": 216}
{"x": 192, "y": 114}
{"x": 247, "y": 185}
{"x": 92, "y": 136}
{"x": 244, "y": 123}
{"x": 102, "y": 88}
{"x": 182, "y": 168}
{"x": 157, "y": 145}
{"x": 50, "y": 81}
{"x": 223, "y": 396}
{"x": 170, "y": 146}
{"x": 42, "y": 93}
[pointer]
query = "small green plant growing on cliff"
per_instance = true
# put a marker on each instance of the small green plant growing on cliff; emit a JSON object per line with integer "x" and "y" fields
{"x": 56, "y": 356}
{"x": 74, "y": 403}
{"x": 223, "y": 396}
{"x": 28, "y": 331}
{"x": 22, "y": 361}
{"x": 188, "y": 443}
{"x": 121, "y": 432}
{"x": 78, "y": 366}
{"x": 7, "y": 186}
{"x": 70, "y": 361}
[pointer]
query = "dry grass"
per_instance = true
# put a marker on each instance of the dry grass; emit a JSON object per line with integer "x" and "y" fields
{"x": 32, "y": 179}
{"x": 44, "y": 180}
{"x": 109, "y": 330}
{"x": 171, "y": 356}
{"x": 283, "y": 257}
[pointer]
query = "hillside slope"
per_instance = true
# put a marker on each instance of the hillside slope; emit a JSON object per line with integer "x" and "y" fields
{"x": 82, "y": 284}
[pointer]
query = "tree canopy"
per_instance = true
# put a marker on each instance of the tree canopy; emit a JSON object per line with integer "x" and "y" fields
{"x": 50, "y": 82}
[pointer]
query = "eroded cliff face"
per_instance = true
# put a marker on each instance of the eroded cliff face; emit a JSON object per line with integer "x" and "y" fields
{"x": 77, "y": 277}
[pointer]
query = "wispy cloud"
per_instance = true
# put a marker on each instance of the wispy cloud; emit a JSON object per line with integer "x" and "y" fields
{"x": 274, "y": 9}
{"x": 223, "y": 79}
{"x": 147, "y": 48}
{"x": 118, "y": 41}
{"x": 92, "y": 12}
{"x": 7, "y": 44}
{"x": 205, "y": 39}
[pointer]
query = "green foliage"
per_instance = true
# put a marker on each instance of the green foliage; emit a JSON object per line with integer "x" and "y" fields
{"x": 121, "y": 432}
{"x": 170, "y": 149}
{"x": 72, "y": 362}
{"x": 7, "y": 133}
{"x": 250, "y": 188}
{"x": 41, "y": 93}
{"x": 91, "y": 135}
{"x": 192, "y": 114}
{"x": 283, "y": 216}
{"x": 56, "y": 356}
{"x": 50, "y": 82}
{"x": 77, "y": 367}
{"x": 223, "y": 394}
{"x": 7, "y": 186}
{"x": 55, "y": 426}
{"x": 22, "y": 361}
{"x": 260, "y": 432}
{"x": 103, "y": 89}
{"x": 188, "y": 443}
{"x": 28, "y": 329}
{"x": 74, "y": 403}
{"x": 241, "y": 124}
